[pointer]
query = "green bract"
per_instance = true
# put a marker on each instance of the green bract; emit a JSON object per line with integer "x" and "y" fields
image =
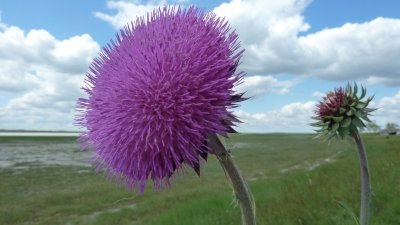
{"x": 342, "y": 112}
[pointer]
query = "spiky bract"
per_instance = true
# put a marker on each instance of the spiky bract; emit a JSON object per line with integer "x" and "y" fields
{"x": 158, "y": 91}
{"x": 342, "y": 112}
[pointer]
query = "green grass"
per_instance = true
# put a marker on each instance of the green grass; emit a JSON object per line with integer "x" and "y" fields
{"x": 299, "y": 196}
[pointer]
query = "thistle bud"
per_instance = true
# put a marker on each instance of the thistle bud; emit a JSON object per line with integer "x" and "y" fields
{"x": 342, "y": 112}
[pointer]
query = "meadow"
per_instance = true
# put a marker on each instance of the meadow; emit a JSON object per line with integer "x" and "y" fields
{"x": 295, "y": 180}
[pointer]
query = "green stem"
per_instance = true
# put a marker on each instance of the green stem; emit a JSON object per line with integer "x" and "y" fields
{"x": 242, "y": 191}
{"x": 365, "y": 183}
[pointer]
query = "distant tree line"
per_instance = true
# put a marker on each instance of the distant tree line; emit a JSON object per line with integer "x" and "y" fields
{"x": 390, "y": 128}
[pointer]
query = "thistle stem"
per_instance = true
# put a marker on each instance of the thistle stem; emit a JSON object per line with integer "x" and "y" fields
{"x": 240, "y": 187}
{"x": 365, "y": 183}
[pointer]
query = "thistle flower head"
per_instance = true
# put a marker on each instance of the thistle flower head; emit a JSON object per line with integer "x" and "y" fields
{"x": 157, "y": 92}
{"x": 342, "y": 112}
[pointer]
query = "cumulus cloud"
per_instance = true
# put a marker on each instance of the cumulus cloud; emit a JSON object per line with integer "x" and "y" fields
{"x": 318, "y": 94}
{"x": 272, "y": 35}
{"x": 39, "y": 47}
{"x": 45, "y": 74}
{"x": 256, "y": 86}
{"x": 367, "y": 51}
{"x": 275, "y": 42}
{"x": 14, "y": 77}
{"x": 269, "y": 32}
{"x": 388, "y": 109}
{"x": 126, "y": 11}
{"x": 294, "y": 117}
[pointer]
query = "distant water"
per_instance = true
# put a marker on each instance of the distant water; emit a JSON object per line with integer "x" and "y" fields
{"x": 38, "y": 134}
{"x": 26, "y": 153}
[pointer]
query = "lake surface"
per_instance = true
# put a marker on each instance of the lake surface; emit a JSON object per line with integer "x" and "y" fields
{"x": 24, "y": 153}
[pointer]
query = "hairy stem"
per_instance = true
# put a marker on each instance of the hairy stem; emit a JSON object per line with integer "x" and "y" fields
{"x": 365, "y": 183}
{"x": 242, "y": 191}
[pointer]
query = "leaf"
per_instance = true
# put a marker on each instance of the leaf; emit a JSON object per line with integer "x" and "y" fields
{"x": 318, "y": 136}
{"x": 317, "y": 124}
{"x": 355, "y": 90}
{"x": 320, "y": 130}
{"x": 335, "y": 126}
{"x": 342, "y": 110}
{"x": 350, "y": 212}
{"x": 345, "y": 131}
{"x": 369, "y": 110}
{"x": 359, "y": 113}
{"x": 338, "y": 119}
{"x": 353, "y": 129}
{"x": 361, "y": 105}
{"x": 350, "y": 112}
{"x": 348, "y": 89}
{"x": 341, "y": 133}
{"x": 366, "y": 119}
{"x": 196, "y": 168}
{"x": 358, "y": 123}
{"x": 332, "y": 135}
{"x": 363, "y": 92}
{"x": 346, "y": 122}
{"x": 370, "y": 99}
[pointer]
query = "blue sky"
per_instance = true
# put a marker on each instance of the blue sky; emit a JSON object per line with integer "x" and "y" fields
{"x": 295, "y": 51}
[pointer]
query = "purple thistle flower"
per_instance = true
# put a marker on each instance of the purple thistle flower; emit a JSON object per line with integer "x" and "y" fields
{"x": 157, "y": 92}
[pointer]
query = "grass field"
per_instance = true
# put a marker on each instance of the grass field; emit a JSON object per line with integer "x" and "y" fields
{"x": 295, "y": 181}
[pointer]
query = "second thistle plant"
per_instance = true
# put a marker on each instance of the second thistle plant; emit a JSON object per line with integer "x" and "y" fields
{"x": 341, "y": 113}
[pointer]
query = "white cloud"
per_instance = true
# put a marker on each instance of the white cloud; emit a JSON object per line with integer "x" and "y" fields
{"x": 39, "y": 47}
{"x": 318, "y": 94}
{"x": 73, "y": 55}
{"x": 388, "y": 110}
{"x": 126, "y": 11}
{"x": 14, "y": 77}
{"x": 268, "y": 30}
{"x": 256, "y": 86}
{"x": 271, "y": 34}
{"x": 294, "y": 117}
{"x": 367, "y": 51}
{"x": 45, "y": 74}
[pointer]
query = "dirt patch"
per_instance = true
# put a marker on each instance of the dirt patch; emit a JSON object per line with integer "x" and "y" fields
{"x": 311, "y": 165}
{"x": 93, "y": 215}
